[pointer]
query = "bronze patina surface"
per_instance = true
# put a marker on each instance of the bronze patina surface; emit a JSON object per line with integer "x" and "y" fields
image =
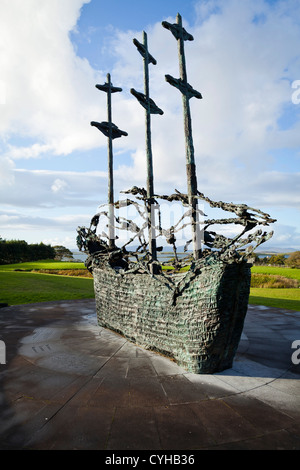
{"x": 192, "y": 308}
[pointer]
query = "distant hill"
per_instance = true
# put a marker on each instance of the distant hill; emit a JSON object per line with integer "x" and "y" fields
{"x": 80, "y": 256}
{"x": 276, "y": 250}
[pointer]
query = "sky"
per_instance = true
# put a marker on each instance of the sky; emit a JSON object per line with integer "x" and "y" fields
{"x": 245, "y": 61}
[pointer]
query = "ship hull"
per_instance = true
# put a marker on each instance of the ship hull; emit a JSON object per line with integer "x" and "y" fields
{"x": 195, "y": 318}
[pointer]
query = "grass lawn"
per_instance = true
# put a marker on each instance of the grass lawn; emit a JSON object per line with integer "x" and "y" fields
{"x": 23, "y": 288}
{"x": 20, "y": 286}
{"x": 44, "y": 264}
{"x": 280, "y": 298}
{"x": 276, "y": 270}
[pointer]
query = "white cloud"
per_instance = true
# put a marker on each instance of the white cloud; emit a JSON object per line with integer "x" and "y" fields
{"x": 50, "y": 91}
{"x": 61, "y": 241}
{"x": 59, "y": 185}
{"x": 2, "y": 92}
{"x": 242, "y": 66}
{"x": 32, "y": 151}
{"x": 243, "y": 60}
{"x": 33, "y": 189}
{"x": 58, "y": 230}
{"x": 6, "y": 171}
{"x": 286, "y": 237}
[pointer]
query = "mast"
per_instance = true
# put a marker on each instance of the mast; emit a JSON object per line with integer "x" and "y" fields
{"x": 188, "y": 92}
{"x": 111, "y": 131}
{"x": 150, "y": 108}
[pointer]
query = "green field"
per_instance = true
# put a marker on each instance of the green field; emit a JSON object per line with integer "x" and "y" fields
{"x": 44, "y": 264}
{"x": 23, "y": 287}
{"x": 20, "y": 286}
{"x": 280, "y": 298}
{"x": 278, "y": 271}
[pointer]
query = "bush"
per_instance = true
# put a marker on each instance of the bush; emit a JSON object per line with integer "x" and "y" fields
{"x": 293, "y": 260}
{"x": 278, "y": 260}
{"x": 272, "y": 281}
{"x": 65, "y": 272}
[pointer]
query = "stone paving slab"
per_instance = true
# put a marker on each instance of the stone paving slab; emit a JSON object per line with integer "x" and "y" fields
{"x": 70, "y": 384}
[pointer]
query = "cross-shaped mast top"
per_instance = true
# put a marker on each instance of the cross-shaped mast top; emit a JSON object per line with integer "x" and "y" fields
{"x": 111, "y": 131}
{"x": 188, "y": 92}
{"x": 151, "y": 108}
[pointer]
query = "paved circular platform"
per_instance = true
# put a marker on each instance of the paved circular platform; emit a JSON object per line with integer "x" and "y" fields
{"x": 69, "y": 384}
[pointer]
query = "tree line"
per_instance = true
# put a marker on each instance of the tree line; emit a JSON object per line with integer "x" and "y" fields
{"x": 292, "y": 261}
{"x": 19, "y": 251}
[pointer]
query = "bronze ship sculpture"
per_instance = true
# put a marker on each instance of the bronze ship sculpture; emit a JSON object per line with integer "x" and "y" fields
{"x": 191, "y": 309}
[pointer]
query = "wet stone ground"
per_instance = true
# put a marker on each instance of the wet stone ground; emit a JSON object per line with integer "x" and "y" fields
{"x": 70, "y": 384}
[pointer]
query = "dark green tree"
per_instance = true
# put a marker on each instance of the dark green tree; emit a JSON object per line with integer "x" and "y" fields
{"x": 61, "y": 252}
{"x": 293, "y": 261}
{"x": 18, "y": 251}
{"x": 277, "y": 260}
